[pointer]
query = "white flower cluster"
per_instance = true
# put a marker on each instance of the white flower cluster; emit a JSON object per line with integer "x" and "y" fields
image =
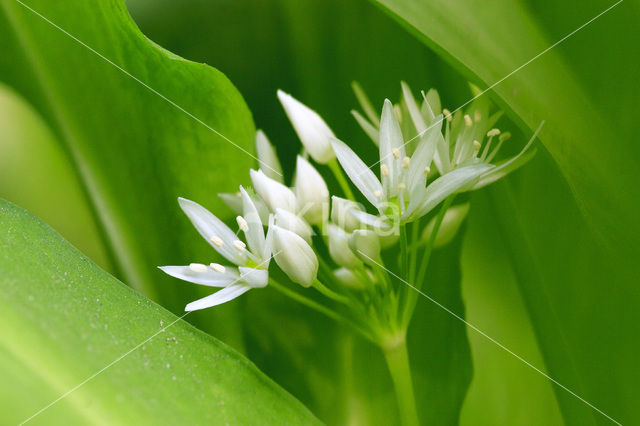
{"x": 414, "y": 176}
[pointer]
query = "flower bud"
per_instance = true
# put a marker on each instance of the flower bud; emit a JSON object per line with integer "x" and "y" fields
{"x": 312, "y": 193}
{"x": 451, "y": 222}
{"x": 339, "y": 247}
{"x": 366, "y": 245}
{"x": 341, "y": 213}
{"x": 273, "y": 193}
{"x": 267, "y": 157}
{"x": 294, "y": 256}
{"x": 292, "y": 222}
{"x": 313, "y": 132}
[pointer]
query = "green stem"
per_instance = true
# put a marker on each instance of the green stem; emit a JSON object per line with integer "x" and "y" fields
{"x": 329, "y": 293}
{"x": 426, "y": 257}
{"x": 397, "y": 359}
{"x": 342, "y": 180}
{"x": 404, "y": 257}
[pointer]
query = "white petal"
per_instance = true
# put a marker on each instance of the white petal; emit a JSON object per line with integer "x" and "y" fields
{"x": 293, "y": 223}
{"x": 313, "y": 132}
{"x": 268, "y": 244}
{"x": 208, "y": 277}
{"x": 256, "y": 278}
{"x": 432, "y": 103}
{"x": 267, "y": 157}
{"x": 219, "y": 297}
{"x": 368, "y": 128}
{"x": 339, "y": 247}
{"x": 412, "y": 106}
{"x": 341, "y": 213}
{"x": 361, "y": 176}
{"x": 311, "y": 191}
{"x": 233, "y": 201}
{"x": 391, "y": 149}
{"x": 210, "y": 227}
{"x": 451, "y": 183}
{"x": 294, "y": 256}
{"x": 274, "y": 194}
{"x": 255, "y": 233}
{"x": 423, "y": 155}
{"x": 451, "y": 222}
{"x": 371, "y": 220}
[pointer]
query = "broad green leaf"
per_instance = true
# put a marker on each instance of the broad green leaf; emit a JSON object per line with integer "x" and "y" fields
{"x": 134, "y": 151}
{"x": 571, "y": 225}
{"x": 64, "y": 319}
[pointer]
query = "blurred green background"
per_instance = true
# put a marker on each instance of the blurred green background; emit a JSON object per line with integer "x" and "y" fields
{"x": 314, "y": 49}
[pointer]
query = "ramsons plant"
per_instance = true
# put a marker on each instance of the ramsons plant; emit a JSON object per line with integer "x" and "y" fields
{"x": 367, "y": 261}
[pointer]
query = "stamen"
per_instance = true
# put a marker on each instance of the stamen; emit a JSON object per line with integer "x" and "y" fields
{"x": 396, "y": 153}
{"x": 401, "y": 186}
{"x": 384, "y": 170}
{"x": 427, "y": 170}
{"x": 216, "y": 241}
{"x": 242, "y": 224}
{"x": 504, "y": 136}
{"x": 493, "y": 132}
{"x": 447, "y": 114}
{"x": 377, "y": 193}
{"x": 198, "y": 267}
{"x": 238, "y": 194}
{"x": 467, "y": 120}
{"x": 406, "y": 161}
{"x": 239, "y": 245}
{"x": 477, "y": 116}
{"x": 476, "y": 145}
{"x": 218, "y": 267}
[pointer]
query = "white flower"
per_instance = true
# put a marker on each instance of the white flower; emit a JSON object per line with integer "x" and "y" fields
{"x": 251, "y": 264}
{"x": 313, "y": 132}
{"x": 402, "y": 184}
{"x": 267, "y": 157}
{"x": 311, "y": 192}
{"x": 294, "y": 256}
{"x": 274, "y": 194}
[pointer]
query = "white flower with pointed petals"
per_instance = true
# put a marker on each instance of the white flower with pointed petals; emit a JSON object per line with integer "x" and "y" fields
{"x": 313, "y": 132}
{"x": 251, "y": 263}
{"x": 402, "y": 178}
{"x": 294, "y": 256}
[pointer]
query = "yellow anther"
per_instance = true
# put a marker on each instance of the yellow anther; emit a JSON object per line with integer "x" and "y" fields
{"x": 239, "y": 245}
{"x": 217, "y": 267}
{"x": 493, "y": 132}
{"x": 216, "y": 241}
{"x": 447, "y": 114}
{"x": 242, "y": 224}
{"x": 401, "y": 186}
{"x": 504, "y": 136}
{"x": 384, "y": 170}
{"x": 427, "y": 170}
{"x": 198, "y": 267}
{"x": 396, "y": 153}
{"x": 467, "y": 120}
{"x": 377, "y": 193}
{"x": 406, "y": 161}
{"x": 476, "y": 145}
{"x": 477, "y": 116}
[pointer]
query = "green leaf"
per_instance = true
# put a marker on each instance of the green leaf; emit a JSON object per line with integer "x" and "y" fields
{"x": 571, "y": 225}
{"x": 136, "y": 145}
{"x": 65, "y": 319}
